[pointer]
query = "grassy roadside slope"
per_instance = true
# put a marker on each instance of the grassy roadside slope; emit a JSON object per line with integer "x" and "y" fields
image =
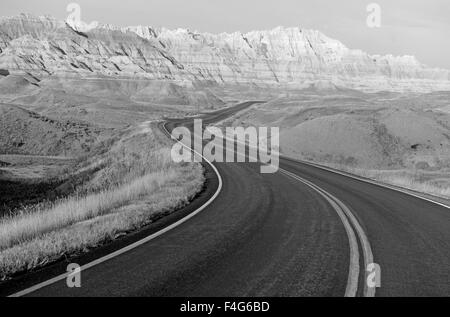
{"x": 435, "y": 183}
{"x": 397, "y": 139}
{"x": 130, "y": 183}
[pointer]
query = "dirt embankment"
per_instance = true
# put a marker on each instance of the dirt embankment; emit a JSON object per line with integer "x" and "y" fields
{"x": 27, "y": 132}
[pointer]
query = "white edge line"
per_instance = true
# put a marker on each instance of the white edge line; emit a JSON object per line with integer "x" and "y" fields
{"x": 360, "y": 179}
{"x": 137, "y": 243}
{"x": 367, "y": 181}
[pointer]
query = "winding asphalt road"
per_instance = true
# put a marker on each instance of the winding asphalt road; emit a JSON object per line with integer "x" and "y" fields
{"x": 303, "y": 231}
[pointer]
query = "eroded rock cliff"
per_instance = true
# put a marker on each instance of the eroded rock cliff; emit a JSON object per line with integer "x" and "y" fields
{"x": 290, "y": 57}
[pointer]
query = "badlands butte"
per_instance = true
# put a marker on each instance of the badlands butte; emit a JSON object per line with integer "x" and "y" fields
{"x": 293, "y": 57}
{"x": 66, "y": 90}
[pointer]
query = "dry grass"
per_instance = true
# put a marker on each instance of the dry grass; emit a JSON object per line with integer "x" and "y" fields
{"x": 435, "y": 183}
{"x": 414, "y": 182}
{"x": 138, "y": 181}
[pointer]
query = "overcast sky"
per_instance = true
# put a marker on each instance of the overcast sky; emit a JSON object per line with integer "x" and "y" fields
{"x": 412, "y": 27}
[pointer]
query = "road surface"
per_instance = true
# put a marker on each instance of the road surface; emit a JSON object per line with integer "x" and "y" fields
{"x": 303, "y": 231}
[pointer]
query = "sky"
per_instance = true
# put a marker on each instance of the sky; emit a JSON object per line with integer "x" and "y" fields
{"x": 407, "y": 27}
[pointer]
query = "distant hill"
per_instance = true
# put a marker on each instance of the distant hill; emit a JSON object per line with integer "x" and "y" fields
{"x": 43, "y": 46}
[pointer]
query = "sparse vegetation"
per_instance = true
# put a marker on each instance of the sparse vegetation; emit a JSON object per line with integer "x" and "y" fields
{"x": 435, "y": 183}
{"x": 131, "y": 184}
{"x": 398, "y": 139}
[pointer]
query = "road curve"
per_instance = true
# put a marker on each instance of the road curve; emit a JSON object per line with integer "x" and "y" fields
{"x": 410, "y": 236}
{"x": 274, "y": 235}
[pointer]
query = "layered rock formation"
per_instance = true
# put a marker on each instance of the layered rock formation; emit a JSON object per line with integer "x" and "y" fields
{"x": 45, "y": 46}
{"x": 290, "y": 57}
